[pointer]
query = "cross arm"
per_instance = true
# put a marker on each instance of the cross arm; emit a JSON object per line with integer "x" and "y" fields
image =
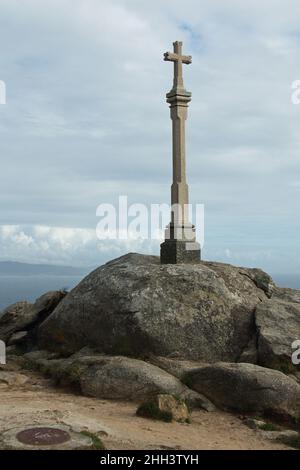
{"x": 171, "y": 57}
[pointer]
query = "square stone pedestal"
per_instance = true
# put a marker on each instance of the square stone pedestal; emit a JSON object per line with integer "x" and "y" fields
{"x": 179, "y": 252}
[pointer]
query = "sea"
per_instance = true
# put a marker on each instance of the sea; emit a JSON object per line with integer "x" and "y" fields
{"x": 16, "y": 288}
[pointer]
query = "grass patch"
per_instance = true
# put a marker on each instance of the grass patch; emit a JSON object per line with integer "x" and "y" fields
{"x": 285, "y": 369}
{"x": 268, "y": 427}
{"x": 30, "y": 366}
{"x": 293, "y": 442}
{"x": 97, "y": 443}
{"x": 150, "y": 410}
{"x": 296, "y": 420}
{"x": 18, "y": 351}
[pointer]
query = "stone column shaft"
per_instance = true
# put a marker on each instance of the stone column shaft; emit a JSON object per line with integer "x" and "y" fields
{"x": 179, "y": 189}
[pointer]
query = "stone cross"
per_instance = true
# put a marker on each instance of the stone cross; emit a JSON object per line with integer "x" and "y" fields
{"x": 178, "y": 60}
{"x": 180, "y": 242}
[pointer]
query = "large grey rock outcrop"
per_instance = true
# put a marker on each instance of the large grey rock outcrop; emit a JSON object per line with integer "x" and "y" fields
{"x": 124, "y": 378}
{"x": 247, "y": 387}
{"x": 134, "y": 306}
{"x": 114, "y": 377}
{"x": 22, "y": 316}
{"x": 278, "y": 325}
{"x": 178, "y": 368}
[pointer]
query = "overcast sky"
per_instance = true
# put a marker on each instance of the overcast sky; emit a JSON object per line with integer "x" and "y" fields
{"x": 86, "y": 121}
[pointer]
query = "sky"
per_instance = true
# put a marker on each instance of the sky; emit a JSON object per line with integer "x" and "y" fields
{"x": 86, "y": 121}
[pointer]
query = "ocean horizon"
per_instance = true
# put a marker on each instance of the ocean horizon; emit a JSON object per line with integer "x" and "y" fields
{"x": 292, "y": 281}
{"x": 17, "y": 288}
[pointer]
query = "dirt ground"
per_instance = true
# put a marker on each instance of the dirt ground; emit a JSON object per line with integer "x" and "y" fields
{"x": 29, "y": 399}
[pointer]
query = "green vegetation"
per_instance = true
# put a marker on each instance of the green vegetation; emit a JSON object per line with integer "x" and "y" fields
{"x": 285, "y": 369}
{"x": 296, "y": 420}
{"x": 97, "y": 443}
{"x": 28, "y": 365}
{"x": 293, "y": 442}
{"x": 150, "y": 410}
{"x": 19, "y": 350}
{"x": 268, "y": 427}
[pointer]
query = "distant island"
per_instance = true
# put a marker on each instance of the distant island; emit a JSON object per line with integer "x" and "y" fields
{"x": 14, "y": 268}
{"x": 25, "y": 281}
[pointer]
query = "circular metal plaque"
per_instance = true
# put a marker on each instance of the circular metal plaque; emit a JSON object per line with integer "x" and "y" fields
{"x": 43, "y": 436}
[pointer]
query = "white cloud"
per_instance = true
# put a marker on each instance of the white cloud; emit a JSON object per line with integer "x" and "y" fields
{"x": 64, "y": 246}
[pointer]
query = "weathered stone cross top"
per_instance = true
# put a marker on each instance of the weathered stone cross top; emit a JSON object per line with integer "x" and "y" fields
{"x": 180, "y": 244}
{"x": 178, "y": 60}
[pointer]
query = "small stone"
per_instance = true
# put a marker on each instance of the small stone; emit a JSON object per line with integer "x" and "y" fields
{"x": 13, "y": 379}
{"x": 253, "y": 423}
{"x": 166, "y": 408}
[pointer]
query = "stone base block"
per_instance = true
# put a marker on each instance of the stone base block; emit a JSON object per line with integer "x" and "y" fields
{"x": 179, "y": 251}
